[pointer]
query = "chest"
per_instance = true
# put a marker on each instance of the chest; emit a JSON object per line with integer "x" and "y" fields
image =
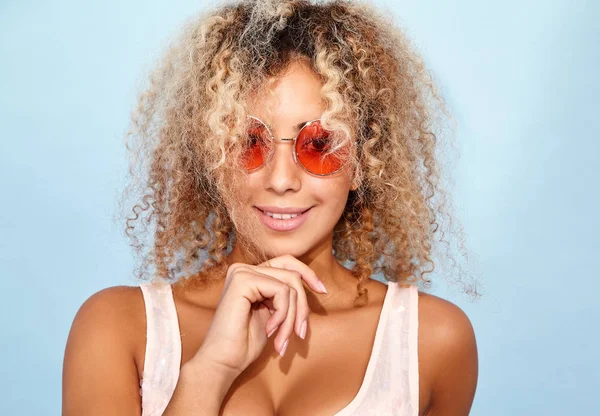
{"x": 323, "y": 373}
{"x": 328, "y": 372}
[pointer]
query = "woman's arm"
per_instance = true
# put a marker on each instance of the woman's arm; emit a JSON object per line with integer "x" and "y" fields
{"x": 453, "y": 350}
{"x": 200, "y": 390}
{"x": 100, "y": 376}
{"x": 99, "y": 371}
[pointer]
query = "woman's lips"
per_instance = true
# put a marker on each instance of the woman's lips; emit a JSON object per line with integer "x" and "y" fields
{"x": 276, "y": 224}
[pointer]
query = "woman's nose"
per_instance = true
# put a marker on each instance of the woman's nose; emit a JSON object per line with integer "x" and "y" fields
{"x": 283, "y": 174}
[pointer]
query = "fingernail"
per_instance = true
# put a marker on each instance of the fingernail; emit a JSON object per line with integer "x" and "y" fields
{"x": 322, "y": 286}
{"x": 272, "y": 331}
{"x": 303, "y": 330}
{"x": 285, "y": 344}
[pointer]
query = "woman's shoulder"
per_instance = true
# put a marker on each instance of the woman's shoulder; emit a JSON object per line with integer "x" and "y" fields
{"x": 447, "y": 345}
{"x": 114, "y": 315}
{"x": 443, "y": 326}
{"x": 443, "y": 317}
{"x": 101, "y": 350}
{"x": 122, "y": 304}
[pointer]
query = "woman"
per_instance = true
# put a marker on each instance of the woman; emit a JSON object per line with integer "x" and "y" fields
{"x": 289, "y": 155}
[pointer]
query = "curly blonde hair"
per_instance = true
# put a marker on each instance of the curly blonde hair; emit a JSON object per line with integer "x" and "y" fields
{"x": 187, "y": 133}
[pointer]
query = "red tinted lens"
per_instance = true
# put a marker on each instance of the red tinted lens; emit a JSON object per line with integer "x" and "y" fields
{"x": 313, "y": 148}
{"x": 256, "y": 145}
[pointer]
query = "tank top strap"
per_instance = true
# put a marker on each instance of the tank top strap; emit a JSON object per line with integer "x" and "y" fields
{"x": 163, "y": 348}
{"x": 402, "y": 348}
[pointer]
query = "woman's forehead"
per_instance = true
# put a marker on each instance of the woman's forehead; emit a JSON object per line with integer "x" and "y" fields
{"x": 295, "y": 127}
{"x": 297, "y": 83}
{"x": 291, "y": 116}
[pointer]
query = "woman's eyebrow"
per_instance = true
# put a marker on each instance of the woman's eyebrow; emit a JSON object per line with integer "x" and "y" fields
{"x": 300, "y": 125}
{"x": 297, "y": 127}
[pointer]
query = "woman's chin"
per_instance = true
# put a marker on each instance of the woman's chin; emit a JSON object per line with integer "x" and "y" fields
{"x": 268, "y": 250}
{"x": 279, "y": 251}
{"x": 300, "y": 246}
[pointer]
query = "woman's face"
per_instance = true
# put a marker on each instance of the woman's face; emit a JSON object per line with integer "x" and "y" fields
{"x": 283, "y": 186}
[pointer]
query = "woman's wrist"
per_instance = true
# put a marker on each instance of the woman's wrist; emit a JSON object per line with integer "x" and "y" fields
{"x": 219, "y": 377}
{"x": 201, "y": 389}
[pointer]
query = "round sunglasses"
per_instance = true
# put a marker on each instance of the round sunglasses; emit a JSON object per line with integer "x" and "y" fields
{"x": 312, "y": 148}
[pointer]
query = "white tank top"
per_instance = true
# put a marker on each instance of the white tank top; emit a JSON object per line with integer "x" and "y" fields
{"x": 391, "y": 382}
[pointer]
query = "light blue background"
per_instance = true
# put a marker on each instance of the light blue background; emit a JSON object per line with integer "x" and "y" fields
{"x": 521, "y": 77}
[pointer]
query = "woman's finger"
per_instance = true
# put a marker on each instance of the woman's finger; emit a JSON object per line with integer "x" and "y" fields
{"x": 289, "y": 262}
{"x": 294, "y": 279}
{"x": 286, "y": 328}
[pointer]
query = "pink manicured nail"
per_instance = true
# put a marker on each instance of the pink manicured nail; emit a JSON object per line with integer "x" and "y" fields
{"x": 285, "y": 345}
{"x": 272, "y": 331}
{"x": 322, "y": 286}
{"x": 303, "y": 330}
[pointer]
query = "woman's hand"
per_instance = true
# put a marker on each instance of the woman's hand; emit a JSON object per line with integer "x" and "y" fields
{"x": 256, "y": 300}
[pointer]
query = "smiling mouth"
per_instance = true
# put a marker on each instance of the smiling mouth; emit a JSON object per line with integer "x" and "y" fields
{"x": 282, "y": 216}
{"x": 283, "y": 221}
{"x": 276, "y": 210}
